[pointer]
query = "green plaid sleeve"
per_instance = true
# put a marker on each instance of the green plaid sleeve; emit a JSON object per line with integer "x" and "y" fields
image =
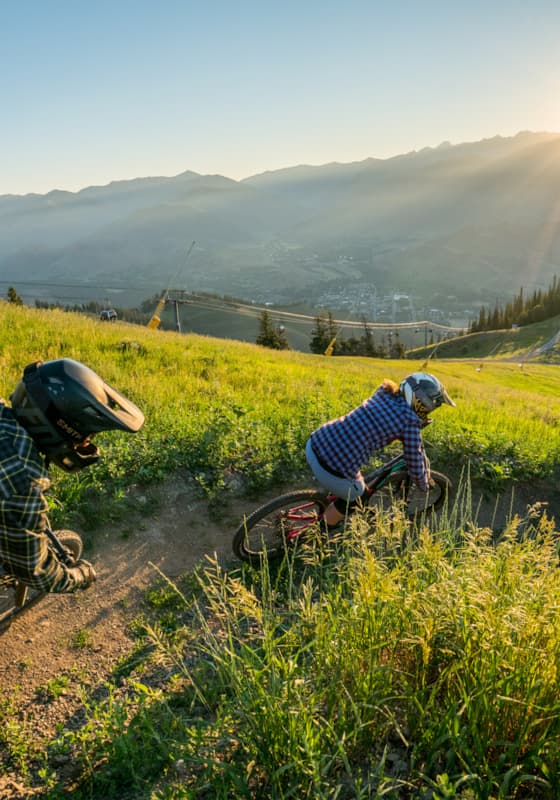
{"x": 23, "y": 511}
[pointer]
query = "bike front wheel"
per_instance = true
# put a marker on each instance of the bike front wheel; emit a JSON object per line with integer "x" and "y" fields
{"x": 399, "y": 490}
{"x": 72, "y": 544}
{"x": 71, "y": 541}
{"x": 16, "y": 597}
{"x": 278, "y": 525}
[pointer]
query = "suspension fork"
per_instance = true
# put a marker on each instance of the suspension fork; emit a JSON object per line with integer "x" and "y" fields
{"x": 394, "y": 465}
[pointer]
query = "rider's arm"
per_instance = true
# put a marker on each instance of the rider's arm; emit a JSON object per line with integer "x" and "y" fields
{"x": 23, "y": 543}
{"x": 415, "y": 455}
{"x": 25, "y": 550}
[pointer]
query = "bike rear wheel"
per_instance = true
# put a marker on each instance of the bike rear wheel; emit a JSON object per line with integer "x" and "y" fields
{"x": 277, "y": 525}
{"x": 399, "y": 490}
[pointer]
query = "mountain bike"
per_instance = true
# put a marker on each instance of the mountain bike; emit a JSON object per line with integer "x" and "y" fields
{"x": 15, "y": 596}
{"x": 278, "y": 525}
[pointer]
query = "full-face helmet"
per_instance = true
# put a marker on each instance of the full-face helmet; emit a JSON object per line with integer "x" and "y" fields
{"x": 424, "y": 393}
{"x": 63, "y": 403}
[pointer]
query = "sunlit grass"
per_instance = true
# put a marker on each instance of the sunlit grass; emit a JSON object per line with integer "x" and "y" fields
{"x": 217, "y": 408}
{"x": 362, "y": 669}
{"x": 367, "y": 667}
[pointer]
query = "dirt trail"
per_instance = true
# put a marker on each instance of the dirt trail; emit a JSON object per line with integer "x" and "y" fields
{"x": 173, "y": 539}
{"x": 40, "y": 645}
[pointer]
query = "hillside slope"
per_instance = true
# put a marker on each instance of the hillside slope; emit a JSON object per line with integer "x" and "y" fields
{"x": 226, "y": 424}
{"x": 531, "y": 343}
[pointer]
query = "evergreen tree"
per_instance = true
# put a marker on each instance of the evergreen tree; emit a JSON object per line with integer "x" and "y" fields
{"x": 521, "y": 310}
{"x": 269, "y": 335}
{"x": 369, "y": 342}
{"x": 13, "y": 297}
{"x": 323, "y": 333}
{"x": 281, "y": 338}
{"x": 319, "y": 341}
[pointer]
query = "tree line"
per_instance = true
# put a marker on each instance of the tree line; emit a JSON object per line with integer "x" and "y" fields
{"x": 522, "y": 310}
{"x": 327, "y": 339}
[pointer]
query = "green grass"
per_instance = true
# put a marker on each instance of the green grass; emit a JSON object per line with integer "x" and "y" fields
{"x": 357, "y": 670}
{"x": 223, "y": 410}
{"x": 514, "y": 343}
{"x": 361, "y": 670}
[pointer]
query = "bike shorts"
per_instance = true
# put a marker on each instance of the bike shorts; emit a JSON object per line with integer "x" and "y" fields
{"x": 347, "y": 489}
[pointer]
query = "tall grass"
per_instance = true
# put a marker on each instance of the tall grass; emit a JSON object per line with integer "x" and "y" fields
{"x": 360, "y": 669}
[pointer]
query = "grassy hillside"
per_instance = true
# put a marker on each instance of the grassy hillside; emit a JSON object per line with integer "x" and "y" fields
{"x": 520, "y": 344}
{"x": 360, "y": 668}
{"x": 224, "y": 409}
{"x": 221, "y": 408}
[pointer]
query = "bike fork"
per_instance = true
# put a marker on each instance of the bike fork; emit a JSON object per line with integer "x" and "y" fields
{"x": 20, "y": 594}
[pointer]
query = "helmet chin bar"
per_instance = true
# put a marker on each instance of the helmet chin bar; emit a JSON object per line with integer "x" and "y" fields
{"x": 421, "y": 411}
{"x": 73, "y": 458}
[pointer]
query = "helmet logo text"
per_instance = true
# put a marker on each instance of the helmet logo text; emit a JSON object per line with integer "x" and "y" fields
{"x": 69, "y": 429}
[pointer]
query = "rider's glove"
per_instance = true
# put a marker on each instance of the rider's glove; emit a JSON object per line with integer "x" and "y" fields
{"x": 83, "y": 574}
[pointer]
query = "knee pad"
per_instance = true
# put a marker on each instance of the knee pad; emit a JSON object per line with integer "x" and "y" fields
{"x": 344, "y": 506}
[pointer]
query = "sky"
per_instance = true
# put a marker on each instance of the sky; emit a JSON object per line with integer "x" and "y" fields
{"x": 93, "y": 91}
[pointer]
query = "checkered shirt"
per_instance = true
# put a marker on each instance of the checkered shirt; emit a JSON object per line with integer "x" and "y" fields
{"x": 347, "y": 443}
{"x": 23, "y": 481}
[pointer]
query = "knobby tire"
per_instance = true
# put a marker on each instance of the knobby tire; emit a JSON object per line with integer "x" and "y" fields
{"x": 399, "y": 489}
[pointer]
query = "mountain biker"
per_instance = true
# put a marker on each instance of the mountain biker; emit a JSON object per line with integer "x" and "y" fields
{"x": 337, "y": 450}
{"x": 56, "y": 409}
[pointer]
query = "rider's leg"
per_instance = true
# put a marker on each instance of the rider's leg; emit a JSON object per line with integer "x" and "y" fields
{"x": 347, "y": 490}
{"x": 339, "y": 510}
{"x": 332, "y": 515}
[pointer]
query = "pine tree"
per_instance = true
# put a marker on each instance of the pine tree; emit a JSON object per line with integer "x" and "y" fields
{"x": 318, "y": 343}
{"x": 322, "y": 334}
{"x": 368, "y": 341}
{"x": 269, "y": 335}
{"x": 13, "y": 297}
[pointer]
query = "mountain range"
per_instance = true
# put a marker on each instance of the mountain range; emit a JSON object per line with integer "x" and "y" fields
{"x": 476, "y": 221}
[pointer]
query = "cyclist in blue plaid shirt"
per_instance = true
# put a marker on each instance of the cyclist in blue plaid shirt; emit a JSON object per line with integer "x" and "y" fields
{"x": 55, "y": 411}
{"x": 337, "y": 450}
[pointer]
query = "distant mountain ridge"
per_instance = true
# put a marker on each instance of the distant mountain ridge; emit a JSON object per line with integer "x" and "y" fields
{"x": 474, "y": 220}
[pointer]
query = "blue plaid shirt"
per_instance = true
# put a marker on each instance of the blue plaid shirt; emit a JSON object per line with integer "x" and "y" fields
{"x": 347, "y": 443}
{"x": 23, "y": 511}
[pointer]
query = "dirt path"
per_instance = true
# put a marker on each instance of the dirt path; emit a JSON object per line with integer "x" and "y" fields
{"x": 176, "y": 537}
{"x": 71, "y": 642}
{"x": 75, "y": 641}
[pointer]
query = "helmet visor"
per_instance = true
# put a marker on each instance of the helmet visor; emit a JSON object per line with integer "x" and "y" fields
{"x": 445, "y": 398}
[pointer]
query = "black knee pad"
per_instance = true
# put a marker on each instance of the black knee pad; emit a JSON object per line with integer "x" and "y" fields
{"x": 344, "y": 506}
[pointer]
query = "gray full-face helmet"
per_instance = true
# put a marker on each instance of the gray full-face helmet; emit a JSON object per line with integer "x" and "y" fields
{"x": 424, "y": 393}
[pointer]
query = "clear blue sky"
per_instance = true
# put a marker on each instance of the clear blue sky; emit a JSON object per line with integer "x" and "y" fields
{"x": 99, "y": 90}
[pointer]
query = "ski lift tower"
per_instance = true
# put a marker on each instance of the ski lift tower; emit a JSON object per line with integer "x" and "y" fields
{"x": 178, "y": 297}
{"x": 155, "y": 319}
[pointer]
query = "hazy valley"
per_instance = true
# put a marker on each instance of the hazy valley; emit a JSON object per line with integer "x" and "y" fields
{"x": 452, "y": 226}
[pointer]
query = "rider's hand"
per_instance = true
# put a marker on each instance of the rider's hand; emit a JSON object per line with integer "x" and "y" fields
{"x": 83, "y": 573}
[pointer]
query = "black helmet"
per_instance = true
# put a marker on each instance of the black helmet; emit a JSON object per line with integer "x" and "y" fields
{"x": 63, "y": 403}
